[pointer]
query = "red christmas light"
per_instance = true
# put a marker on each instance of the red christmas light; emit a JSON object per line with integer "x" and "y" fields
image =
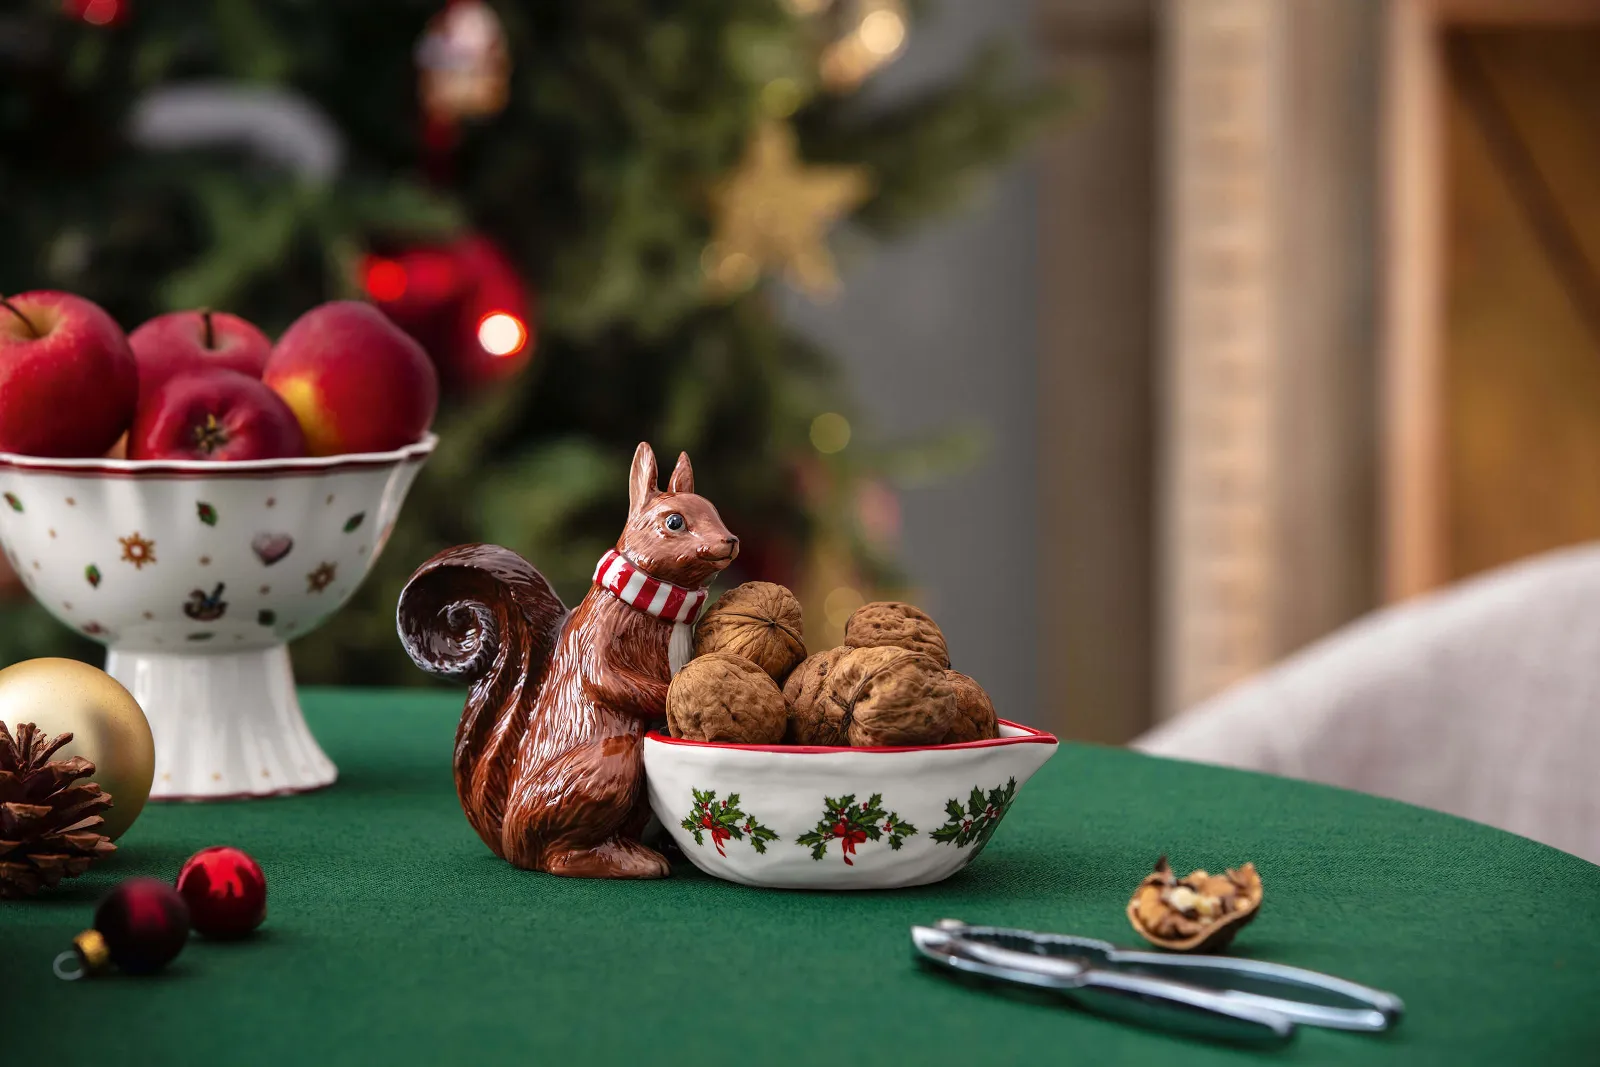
{"x": 383, "y": 279}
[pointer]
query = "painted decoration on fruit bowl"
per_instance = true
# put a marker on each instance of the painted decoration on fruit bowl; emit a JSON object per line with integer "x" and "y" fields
{"x": 195, "y": 575}
{"x": 799, "y": 817}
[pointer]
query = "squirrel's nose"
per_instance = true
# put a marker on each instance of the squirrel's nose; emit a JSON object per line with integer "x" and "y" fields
{"x": 733, "y": 545}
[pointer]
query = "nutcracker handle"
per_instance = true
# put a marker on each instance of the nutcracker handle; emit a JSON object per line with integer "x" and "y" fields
{"x": 1316, "y": 1000}
{"x": 1142, "y": 999}
{"x": 1182, "y": 1008}
{"x": 1147, "y": 1000}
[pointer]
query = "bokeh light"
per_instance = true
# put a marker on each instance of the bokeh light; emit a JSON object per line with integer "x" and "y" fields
{"x": 730, "y": 272}
{"x": 781, "y": 97}
{"x": 878, "y": 508}
{"x": 830, "y": 432}
{"x": 502, "y": 333}
{"x": 840, "y": 604}
{"x": 383, "y": 279}
{"x": 882, "y": 33}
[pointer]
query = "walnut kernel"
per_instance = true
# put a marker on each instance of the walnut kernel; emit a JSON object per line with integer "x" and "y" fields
{"x": 1200, "y": 912}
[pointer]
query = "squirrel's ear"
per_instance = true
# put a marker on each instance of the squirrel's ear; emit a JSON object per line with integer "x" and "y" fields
{"x": 682, "y": 480}
{"x": 642, "y": 478}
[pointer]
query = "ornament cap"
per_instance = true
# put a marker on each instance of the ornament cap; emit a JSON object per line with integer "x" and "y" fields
{"x": 92, "y": 950}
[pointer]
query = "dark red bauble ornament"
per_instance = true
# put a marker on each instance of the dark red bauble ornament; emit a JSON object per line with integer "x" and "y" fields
{"x": 225, "y": 890}
{"x": 97, "y": 12}
{"x": 464, "y": 302}
{"x": 143, "y": 924}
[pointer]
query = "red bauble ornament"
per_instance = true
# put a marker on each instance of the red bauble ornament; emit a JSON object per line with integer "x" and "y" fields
{"x": 225, "y": 890}
{"x": 141, "y": 926}
{"x": 97, "y": 12}
{"x": 464, "y": 302}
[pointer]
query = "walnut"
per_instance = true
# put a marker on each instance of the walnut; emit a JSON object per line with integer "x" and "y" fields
{"x": 803, "y": 691}
{"x": 725, "y": 698}
{"x": 759, "y": 621}
{"x": 1201, "y": 912}
{"x": 975, "y": 718}
{"x": 886, "y": 696}
{"x": 891, "y": 623}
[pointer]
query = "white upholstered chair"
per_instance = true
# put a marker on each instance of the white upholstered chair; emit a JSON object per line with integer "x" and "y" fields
{"x": 1482, "y": 700}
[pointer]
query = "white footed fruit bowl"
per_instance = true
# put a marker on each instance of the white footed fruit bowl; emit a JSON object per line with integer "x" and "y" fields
{"x": 801, "y": 817}
{"x": 194, "y": 575}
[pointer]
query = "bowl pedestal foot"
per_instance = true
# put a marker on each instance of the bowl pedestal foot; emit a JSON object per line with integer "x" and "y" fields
{"x": 225, "y": 725}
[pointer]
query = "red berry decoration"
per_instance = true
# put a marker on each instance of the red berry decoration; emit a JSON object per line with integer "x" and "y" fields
{"x": 225, "y": 890}
{"x": 140, "y": 926}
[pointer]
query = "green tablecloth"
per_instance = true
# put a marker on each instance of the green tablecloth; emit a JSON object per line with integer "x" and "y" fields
{"x": 393, "y": 936}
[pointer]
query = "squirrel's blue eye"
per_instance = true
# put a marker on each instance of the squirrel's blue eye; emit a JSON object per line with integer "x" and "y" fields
{"x": 674, "y": 521}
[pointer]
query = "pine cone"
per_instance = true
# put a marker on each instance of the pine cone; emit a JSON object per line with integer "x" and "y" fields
{"x": 47, "y": 817}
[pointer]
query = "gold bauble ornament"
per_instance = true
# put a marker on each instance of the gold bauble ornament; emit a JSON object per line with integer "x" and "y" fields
{"x": 773, "y": 212}
{"x": 107, "y": 725}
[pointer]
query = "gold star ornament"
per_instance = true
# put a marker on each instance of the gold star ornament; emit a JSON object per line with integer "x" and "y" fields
{"x": 772, "y": 214}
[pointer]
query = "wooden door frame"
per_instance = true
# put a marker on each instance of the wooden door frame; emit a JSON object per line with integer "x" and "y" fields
{"x": 1411, "y": 359}
{"x": 1267, "y": 468}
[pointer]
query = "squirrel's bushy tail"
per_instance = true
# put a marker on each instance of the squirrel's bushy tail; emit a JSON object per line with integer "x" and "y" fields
{"x": 481, "y": 614}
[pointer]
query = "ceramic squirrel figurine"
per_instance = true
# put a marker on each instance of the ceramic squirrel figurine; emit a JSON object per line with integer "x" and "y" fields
{"x": 548, "y": 760}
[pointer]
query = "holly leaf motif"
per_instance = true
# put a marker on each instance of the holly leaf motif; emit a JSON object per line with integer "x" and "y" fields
{"x": 759, "y": 836}
{"x": 853, "y": 824}
{"x": 725, "y": 820}
{"x": 978, "y": 820}
{"x": 207, "y": 513}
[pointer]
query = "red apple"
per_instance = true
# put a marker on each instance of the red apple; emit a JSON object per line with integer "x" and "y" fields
{"x": 214, "y": 415}
{"x": 196, "y": 340}
{"x": 67, "y": 377}
{"x": 356, "y": 381}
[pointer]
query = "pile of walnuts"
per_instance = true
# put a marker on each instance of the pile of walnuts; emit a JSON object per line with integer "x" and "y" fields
{"x": 890, "y": 683}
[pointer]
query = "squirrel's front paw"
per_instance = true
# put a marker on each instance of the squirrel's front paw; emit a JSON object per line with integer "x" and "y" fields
{"x": 616, "y": 858}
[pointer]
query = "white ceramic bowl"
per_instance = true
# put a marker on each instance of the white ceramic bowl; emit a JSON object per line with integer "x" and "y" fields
{"x": 801, "y": 817}
{"x": 194, "y": 575}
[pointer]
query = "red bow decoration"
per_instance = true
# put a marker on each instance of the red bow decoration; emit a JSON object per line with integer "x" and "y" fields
{"x": 848, "y": 840}
{"x": 718, "y": 834}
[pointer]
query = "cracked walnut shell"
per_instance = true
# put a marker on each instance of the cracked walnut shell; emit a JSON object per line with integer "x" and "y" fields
{"x": 882, "y": 697}
{"x": 759, "y": 621}
{"x": 975, "y": 718}
{"x": 1198, "y": 913}
{"x": 727, "y": 699}
{"x": 890, "y": 623}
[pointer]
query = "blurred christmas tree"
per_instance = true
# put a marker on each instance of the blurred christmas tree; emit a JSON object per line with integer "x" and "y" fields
{"x": 573, "y": 204}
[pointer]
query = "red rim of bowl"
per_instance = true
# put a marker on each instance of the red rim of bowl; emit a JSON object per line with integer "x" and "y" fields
{"x": 1029, "y": 736}
{"x": 193, "y": 468}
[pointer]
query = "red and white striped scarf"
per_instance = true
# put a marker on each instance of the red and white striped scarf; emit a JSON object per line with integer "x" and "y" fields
{"x": 617, "y": 575}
